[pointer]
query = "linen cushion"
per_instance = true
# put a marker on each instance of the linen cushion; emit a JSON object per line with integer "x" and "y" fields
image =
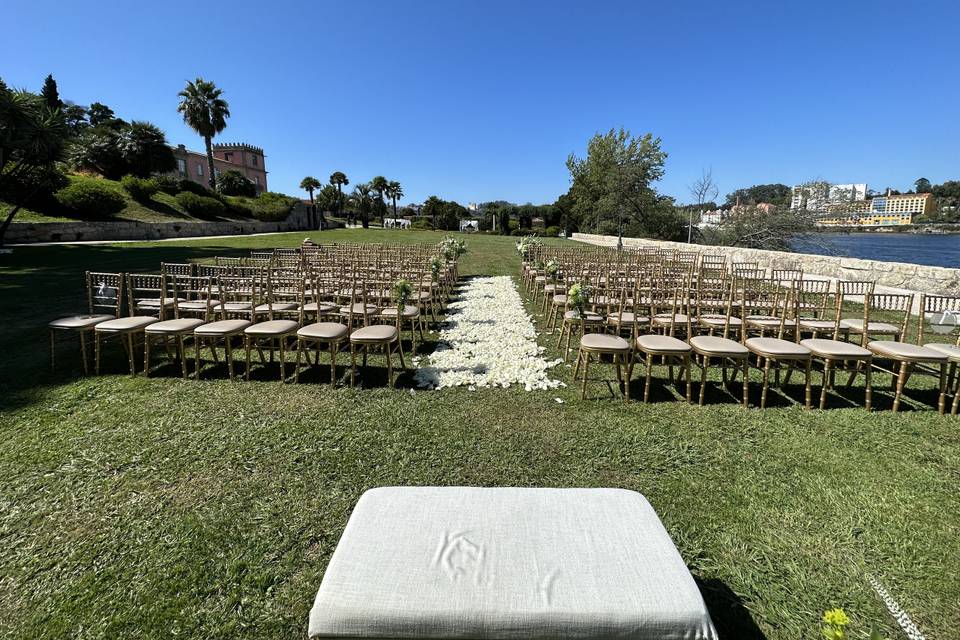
{"x": 905, "y": 351}
{"x": 661, "y": 344}
{"x": 603, "y": 342}
{"x": 952, "y": 351}
{"x": 80, "y": 322}
{"x": 716, "y": 345}
{"x": 375, "y": 333}
{"x": 174, "y": 327}
{"x": 125, "y": 325}
{"x": 835, "y": 348}
{"x": 324, "y": 331}
{"x": 498, "y": 563}
{"x": 777, "y": 348}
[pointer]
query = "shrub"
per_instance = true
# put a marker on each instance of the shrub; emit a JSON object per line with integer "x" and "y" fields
{"x": 239, "y": 207}
{"x": 200, "y": 206}
{"x": 234, "y": 183}
{"x": 271, "y": 207}
{"x": 552, "y": 232}
{"x": 168, "y": 184}
{"x": 422, "y": 224}
{"x": 140, "y": 189}
{"x": 88, "y": 198}
{"x": 519, "y": 232}
{"x": 197, "y": 188}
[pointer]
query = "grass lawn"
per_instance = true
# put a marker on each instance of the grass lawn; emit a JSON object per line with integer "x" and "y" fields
{"x": 134, "y": 507}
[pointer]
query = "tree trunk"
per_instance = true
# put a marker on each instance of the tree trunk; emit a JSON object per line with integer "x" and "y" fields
{"x": 211, "y": 179}
{"x": 7, "y": 221}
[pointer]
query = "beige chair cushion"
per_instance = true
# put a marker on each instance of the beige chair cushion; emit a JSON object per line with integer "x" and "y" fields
{"x": 80, "y": 322}
{"x": 627, "y": 317}
{"x": 662, "y": 344}
{"x": 816, "y": 325}
{"x": 718, "y": 320}
{"x": 375, "y": 333}
{"x": 222, "y": 328}
{"x": 591, "y": 317}
{"x": 197, "y": 305}
{"x": 154, "y": 303}
{"x": 905, "y": 351}
{"x": 777, "y": 348}
{"x": 952, "y": 351}
{"x": 717, "y": 346}
{"x": 409, "y": 311}
{"x": 603, "y": 342}
{"x": 232, "y": 307}
{"x": 277, "y": 306}
{"x": 319, "y": 307}
{"x": 560, "y": 299}
{"x": 272, "y": 328}
{"x": 664, "y": 318}
{"x": 125, "y": 325}
{"x": 358, "y": 309}
{"x": 324, "y": 331}
{"x": 835, "y": 349}
{"x": 764, "y": 322}
{"x": 856, "y": 324}
{"x": 174, "y": 327}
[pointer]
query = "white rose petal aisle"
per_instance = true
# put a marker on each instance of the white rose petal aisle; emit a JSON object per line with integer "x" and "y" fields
{"x": 488, "y": 341}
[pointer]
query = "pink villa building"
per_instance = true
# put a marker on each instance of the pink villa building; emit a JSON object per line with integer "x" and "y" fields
{"x": 242, "y": 157}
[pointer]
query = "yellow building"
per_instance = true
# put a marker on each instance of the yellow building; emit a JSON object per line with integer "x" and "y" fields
{"x": 882, "y": 211}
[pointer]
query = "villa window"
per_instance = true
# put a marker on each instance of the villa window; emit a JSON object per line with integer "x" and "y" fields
{"x": 253, "y": 160}
{"x": 228, "y": 157}
{"x": 182, "y": 167}
{"x": 199, "y": 169}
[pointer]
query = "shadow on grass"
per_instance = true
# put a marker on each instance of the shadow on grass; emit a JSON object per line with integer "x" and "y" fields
{"x": 730, "y": 616}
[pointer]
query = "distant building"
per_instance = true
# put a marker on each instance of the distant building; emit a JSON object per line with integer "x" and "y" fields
{"x": 245, "y": 158}
{"x": 818, "y": 196}
{"x": 881, "y": 211}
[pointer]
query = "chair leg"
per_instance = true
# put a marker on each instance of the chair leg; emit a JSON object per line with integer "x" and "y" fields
{"x": 334, "y": 350}
{"x": 806, "y": 391}
{"x": 146, "y": 355}
{"x": 353, "y": 364}
{"x": 83, "y": 353}
{"x": 646, "y": 384}
{"x": 130, "y": 354}
{"x": 689, "y": 381}
{"x": 283, "y": 357}
{"x": 746, "y": 382}
{"x": 246, "y": 351}
{"x": 228, "y": 349}
{"x": 196, "y": 343}
{"x": 703, "y": 378}
{"x": 586, "y": 368}
{"x": 766, "y": 383}
{"x": 403, "y": 363}
{"x": 942, "y": 401}
{"x": 827, "y": 366}
{"x": 183, "y": 356}
{"x": 53, "y": 349}
{"x": 388, "y": 349}
{"x": 901, "y": 380}
{"x": 868, "y": 392}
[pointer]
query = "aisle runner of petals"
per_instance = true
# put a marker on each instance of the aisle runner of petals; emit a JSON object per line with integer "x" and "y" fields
{"x": 487, "y": 341}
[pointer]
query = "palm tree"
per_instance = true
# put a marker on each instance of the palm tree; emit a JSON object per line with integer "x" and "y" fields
{"x": 308, "y": 184}
{"x": 206, "y": 112}
{"x": 362, "y": 199}
{"x": 394, "y": 192}
{"x": 339, "y": 180}
{"x": 379, "y": 184}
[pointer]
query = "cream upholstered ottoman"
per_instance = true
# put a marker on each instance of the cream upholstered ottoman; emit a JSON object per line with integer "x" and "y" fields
{"x": 457, "y": 562}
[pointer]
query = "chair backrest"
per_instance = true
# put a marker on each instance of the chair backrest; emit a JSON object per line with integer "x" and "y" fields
{"x": 177, "y": 268}
{"x": 940, "y": 315}
{"x": 191, "y": 289}
{"x": 146, "y": 294}
{"x": 104, "y": 293}
{"x": 892, "y": 307}
{"x": 765, "y": 297}
{"x": 238, "y": 296}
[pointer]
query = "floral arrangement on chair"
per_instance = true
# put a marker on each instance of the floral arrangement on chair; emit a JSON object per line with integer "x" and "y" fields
{"x": 435, "y": 265}
{"x": 552, "y": 268}
{"x": 526, "y": 243}
{"x": 579, "y": 297}
{"x": 402, "y": 290}
{"x": 453, "y": 248}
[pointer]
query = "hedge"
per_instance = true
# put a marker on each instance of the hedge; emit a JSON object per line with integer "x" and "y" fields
{"x": 140, "y": 189}
{"x": 200, "y": 206}
{"x": 87, "y": 198}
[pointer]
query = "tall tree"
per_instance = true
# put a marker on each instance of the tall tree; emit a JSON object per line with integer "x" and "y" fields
{"x": 50, "y": 94}
{"x": 32, "y": 139}
{"x": 923, "y": 185}
{"x": 613, "y": 183}
{"x": 776, "y": 194}
{"x": 362, "y": 200}
{"x": 394, "y": 192}
{"x": 379, "y": 184}
{"x": 433, "y": 208}
{"x": 702, "y": 189}
{"x": 99, "y": 113}
{"x": 339, "y": 180}
{"x": 143, "y": 147}
{"x": 310, "y": 184}
{"x": 206, "y": 112}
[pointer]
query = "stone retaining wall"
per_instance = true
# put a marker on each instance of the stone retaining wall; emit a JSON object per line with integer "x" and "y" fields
{"x": 28, "y": 233}
{"x": 895, "y": 275}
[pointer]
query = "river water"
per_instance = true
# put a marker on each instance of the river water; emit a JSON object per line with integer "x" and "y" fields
{"x": 929, "y": 249}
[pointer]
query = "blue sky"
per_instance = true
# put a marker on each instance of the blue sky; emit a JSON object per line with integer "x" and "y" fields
{"x": 483, "y": 100}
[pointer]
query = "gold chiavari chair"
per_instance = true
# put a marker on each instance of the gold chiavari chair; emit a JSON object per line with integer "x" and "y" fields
{"x": 667, "y": 298}
{"x": 180, "y": 327}
{"x": 236, "y": 299}
{"x": 911, "y": 358}
{"x": 942, "y": 315}
{"x": 103, "y": 297}
{"x": 710, "y": 348}
{"x": 125, "y": 328}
